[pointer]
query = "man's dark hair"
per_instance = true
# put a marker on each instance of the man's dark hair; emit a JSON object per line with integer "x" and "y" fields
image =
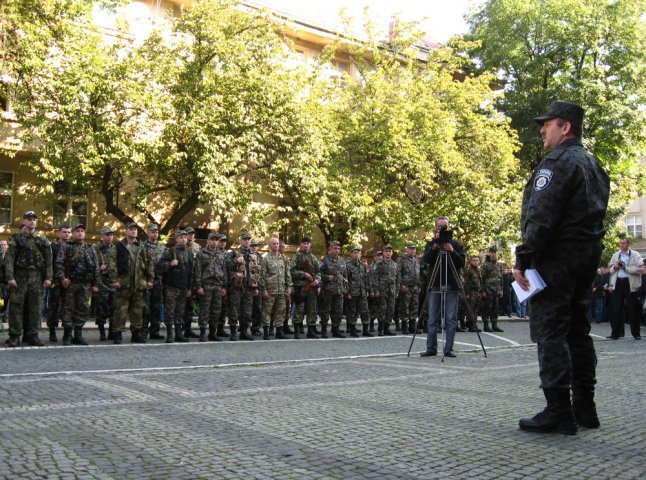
{"x": 577, "y": 130}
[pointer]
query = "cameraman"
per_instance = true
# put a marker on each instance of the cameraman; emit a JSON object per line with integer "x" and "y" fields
{"x": 443, "y": 242}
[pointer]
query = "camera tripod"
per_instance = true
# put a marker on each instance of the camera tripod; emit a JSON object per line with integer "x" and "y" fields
{"x": 444, "y": 264}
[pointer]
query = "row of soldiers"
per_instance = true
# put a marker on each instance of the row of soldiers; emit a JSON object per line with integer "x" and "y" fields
{"x": 147, "y": 281}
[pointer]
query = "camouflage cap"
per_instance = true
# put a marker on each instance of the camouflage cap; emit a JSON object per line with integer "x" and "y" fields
{"x": 153, "y": 227}
{"x": 223, "y": 238}
{"x": 29, "y": 214}
{"x": 131, "y": 225}
{"x": 377, "y": 253}
{"x": 253, "y": 243}
{"x": 78, "y": 226}
{"x": 213, "y": 235}
{"x": 188, "y": 230}
{"x": 179, "y": 233}
{"x": 355, "y": 248}
{"x": 245, "y": 236}
{"x": 411, "y": 245}
{"x": 493, "y": 249}
{"x": 570, "y": 112}
{"x": 335, "y": 243}
{"x": 106, "y": 230}
{"x": 388, "y": 246}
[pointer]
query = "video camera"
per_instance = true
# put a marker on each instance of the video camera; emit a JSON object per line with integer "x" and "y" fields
{"x": 445, "y": 235}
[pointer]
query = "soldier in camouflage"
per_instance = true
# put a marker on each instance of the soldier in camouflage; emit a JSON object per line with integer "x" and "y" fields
{"x": 153, "y": 298}
{"x": 210, "y": 279}
{"x": 288, "y": 298}
{"x": 191, "y": 302}
{"x": 256, "y": 309}
{"x": 386, "y": 288}
{"x": 132, "y": 272}
{"x": 373, "y": 300}
{"x": 357, "y": 296}
{"x": 276, "y": 286}
{"x": 77, "y": 271}
{"x": 333, "y": 287}
{"x": 492, "y": 290}
{"x": 104, "y": 299}
{"x": 472, "y": 284}
{"x": 564, "y": 205}
{"x": 222, "y": 250}
{"x": 409, "y": 269}
{"x": 244, "y": 277}
{"x": 306, "y": 277}
{"x": 55, "y": 294}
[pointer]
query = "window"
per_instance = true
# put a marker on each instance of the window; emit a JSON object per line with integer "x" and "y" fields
{"x": 70, "y": 205}
{"x": 634, "y": 226}
{"x": 6, "y": 197}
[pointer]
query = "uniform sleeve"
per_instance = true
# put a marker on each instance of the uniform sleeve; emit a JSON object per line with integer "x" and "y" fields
{"x": 47, "y": 254}
{"x": 196, "y": 274}
{"x": 9, "y": 260}
{"x": 288, "y": 275}
{"x": 112, "y": 265}
{"x": 264, "y": 271}
{"x": 96, "y": 273}
{"x": 164, "y": 262}
{"x": 59, "y": 263}
{"x": 293, "y": 268}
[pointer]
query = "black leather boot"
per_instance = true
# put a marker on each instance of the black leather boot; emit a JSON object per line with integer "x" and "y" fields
{"x": 336, "y": 332}
{"x": 324, "y": 331}
{"x": 585, "y": 410}
{"x": 102, "y": 337}
{"x": 297, "y": 331}
{"x": 52, "y": 334}
{"x": 213, "y": 337}
{"x": 117, "y": 338}
{"x": 221, "y": 332}
{"x": 372, "y": 325}
{"x": 353, "y": 331}
{"x": 67, "y": 336}
{"x": 387, "y": 331}
{"x": 286, "y": 329}
{"x": 244, "y": 335}
{"x": 78, "y": 336}
{"x": 179, "y": 336}
{"x": 558, "y": 416}
{"x": 366, "y": 332}
{"x": 380, "y": 329}
{"x": 169, "y": 333}
{"x": 398, "y": 327}
{"x": 279, "y": 333}
{"x": 203, "y": 334}
{"x": 487, "y": 328}
{"x": 311, "y": 332}
{"x": 495, "y": 327}
{"x": 265, "y": 333}
{"x": 404, "y": 328}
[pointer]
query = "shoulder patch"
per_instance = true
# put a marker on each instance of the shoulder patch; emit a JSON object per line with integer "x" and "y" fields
{"x": 542, "y": 179}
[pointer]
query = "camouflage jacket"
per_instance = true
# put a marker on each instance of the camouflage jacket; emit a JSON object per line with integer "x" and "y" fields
{"x": 210, "y": 270}
{"x": 357, "y": 274}
{"x": 302, "y": 263}
{"x": 180, "y": 275}
{"x": 245, "y": 274}
{"x": 387, "y": 277}
{"x": 78, "y": 263}
{"x": 409, "y": 270}
{"x": 275, "y": 277}
{"x": 491, "y": 276}
{"x": 334, "y": 267}
{"x": 472, "y": 279}
{"x": 103, "y": 255}
{"x": 29, "y": 252}
{"x": 130, "y": 265}
{"x": 155, "y": 252}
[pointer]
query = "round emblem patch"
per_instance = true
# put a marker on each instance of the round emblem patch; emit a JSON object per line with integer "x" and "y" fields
{"x": 542, "y": 179}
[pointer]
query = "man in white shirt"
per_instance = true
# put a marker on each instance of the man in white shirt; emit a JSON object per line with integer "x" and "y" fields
{"x": 625, "y": 270}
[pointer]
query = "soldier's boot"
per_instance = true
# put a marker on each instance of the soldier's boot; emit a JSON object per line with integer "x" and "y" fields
{"x": 52, "y": 334}
{"x": 372, "y": 325}
{"x": 265, "y": 333}
{"x": 336, "y": 332}
{"x": 256, "y": 332}
{"x": 13, "y": 341}
{"x": 102, "y": 337}
{"x": 585, "y": 410}
{"x": 234, "y": 335}
{"x": 188, "y": 331}
{"x": 243, "y": 333}
{"x": 311, "y": 332}
{"x": 137, "y": 337}
{"x": 472, "y": 327}
{"x": 316, "y": 330}
{"x": 398, "y": 327}
{"x": 354, "y": 331}
{"x": 169, "y": 333}
{"x": 495, "y": 327}
{"x": 301, "y": 328}
{"x": 487, "y": 328}
{"x": 179, "y": 335}
{"x": 558, "y": 416}
{"x": 380, "y": 329}
{"x": 412, "y": 326}
{"x": 272, "y": 330}
{"x": 461, "y": 327}
{"x": 404, "y": 328}
{"x": 203, "y": 334}
{"x": 156, "y": 335}
{"x": 324, "y": 331}
{"x": 297, "y": 331}
{"x": 222, "y": 332}
{"x": 387, "y": 331}
{"x": 366, "y": 331}
{"x": 213, "y": 337}
{"x": 117, "y": 338}
{"x": 78, "y": 336}
{"x": 288, "y": 330}
{"x": 110, "y": 332}
{"x": 34, "y": 341}
{"x": 67, "y": 336}
{"x": 279, "y": 333}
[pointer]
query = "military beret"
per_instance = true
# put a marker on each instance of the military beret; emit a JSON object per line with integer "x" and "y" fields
{"x": 214, "y": 235}
{"x": 411, "y": 245}
{"x": 567, "y": 111}
{"x": 30, "y": 214}
{"x": 306, "y": 239}
{"x": 493, "y": 249}
{"x": 335, "y": 243}
{"x": 153, "y": 227}
{"x": 188, "y": 230}
{"x": 355, "y": 248}
{"x": 106, "y": 230}
{"x": 388, "y": 246}
{"x": 253, "y": 243}
{"x": 245, "y": 236}
{"x": 79, "y": 226}
{"x": 131, "y": 224}
{"x": 180, "y": 232}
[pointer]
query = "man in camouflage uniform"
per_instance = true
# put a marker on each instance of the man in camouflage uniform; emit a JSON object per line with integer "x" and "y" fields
{"x": 153, "y": 297}
{"x": 77, "y": 271}
{"x": 55, "y": 295}
{"x": 256, "y": 309}
{"x": 288, "y": 298}
{"x": 176, "y": 267}
{"x": 409, "y": 270}
{"x": 472, "y": 291}
{"x": 306, "y": 278}
{"x": 28, "y": 266}
{"x": 191, "y": 302}
{"x": 104, "y": 299}
{"x": 492, "y": 286}
{"x": 210, "y": 279}
{"x": 333, "y": 287}
{"x": 387, "y": 281}
{"x": 222, "y": 250}
{"x": 373, "y": 300}
{"x": 132, "y": 272}
{"x": 357, "y": 295}
{"x": 276, "y": 286}
{"x": 564, "y": 204}
{"x": 244, "y": 277}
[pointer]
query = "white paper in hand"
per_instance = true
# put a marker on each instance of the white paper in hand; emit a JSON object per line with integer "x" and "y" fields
{"x": 536, "y": 284}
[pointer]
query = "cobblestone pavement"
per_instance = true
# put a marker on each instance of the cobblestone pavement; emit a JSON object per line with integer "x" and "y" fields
{"x": 329, "y": 409}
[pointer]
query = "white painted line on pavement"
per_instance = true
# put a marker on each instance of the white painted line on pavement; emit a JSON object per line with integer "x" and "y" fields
{"x": 511, "y": 342}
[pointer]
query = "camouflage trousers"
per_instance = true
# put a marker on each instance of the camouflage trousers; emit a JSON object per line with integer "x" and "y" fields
{"x": 128, "y": 305}
{"x": 256, "y": 312}
{"x": 174, "y": 305}
{"x": 224, "y": 308}
{"x": 55, "y": 298}
{"x": 331, "y": 305}
{"x": 305, "y": 306}
{"x": 472, "y": 308}
{"x": 558, "y": 321}
{"x": 273, "y": 308}
{"x": 385, "y": 307}
{"x": 26, "y": 298}
{"x": 240, "y": 306}
{"x": 153, "y": 308}
{"x": 408, "y": 304}
{"x": 210, "y": 306}
{"x": 76, "y": 306}
{"x": 104, "y": 306}
{"x": 357, "y": 305}
{"x": 489, "y": 307}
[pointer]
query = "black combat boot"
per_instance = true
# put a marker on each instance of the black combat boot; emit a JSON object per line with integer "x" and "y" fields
{"x": 366, "y": 332}
{"x": 585, "y": 410}
{"x": 222, "y": 332}
{"x": 387, "y": 331}
{"x": 179, "y": 336}
{"x": 110, "y": 332}
{"x": 473, "y": 328}
{"x": 203, "y": 334}
{"x": 154, "y": 333}
{"x": 495, "y": 327}
{"x": 405, "y": 326}
{"x": 212, "y": 334}
{"x": 336, "y": 332}
{"x": 34, "y": 341}
{"x": 380, "y": 329}
{"x": 272, "y": 330}
{"x": 279, "y": 333}
{"x": 297, "y": 331}
{"x": 138, "y": 337}
{"x": 52, "y": 334}
{"x": 13, "y": 341}
{"x": 301, "y": 328}
{"x": 188, "y": 332}
{"x": 558, "y": 416}
{"x": 372, "y": 325}
{"x": 398, "y": 327}
{"x": 265, "y": 333}
{"x": 234, "y": 335}
{"x": 486, "y": 326}
{"x": 117, "y": 338}
{"x": 324, "y": 330}
{"x": 311, "y": 332}
{"x": 67, "y": 336}
{"x": 243, "y": 333}
{"x": 78, "y": 336}
{"x": 287, "y": 330}
{"x": 354, "y": 332}
{"x": 102, "y": 337}
{"x": 169, "y": 333}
